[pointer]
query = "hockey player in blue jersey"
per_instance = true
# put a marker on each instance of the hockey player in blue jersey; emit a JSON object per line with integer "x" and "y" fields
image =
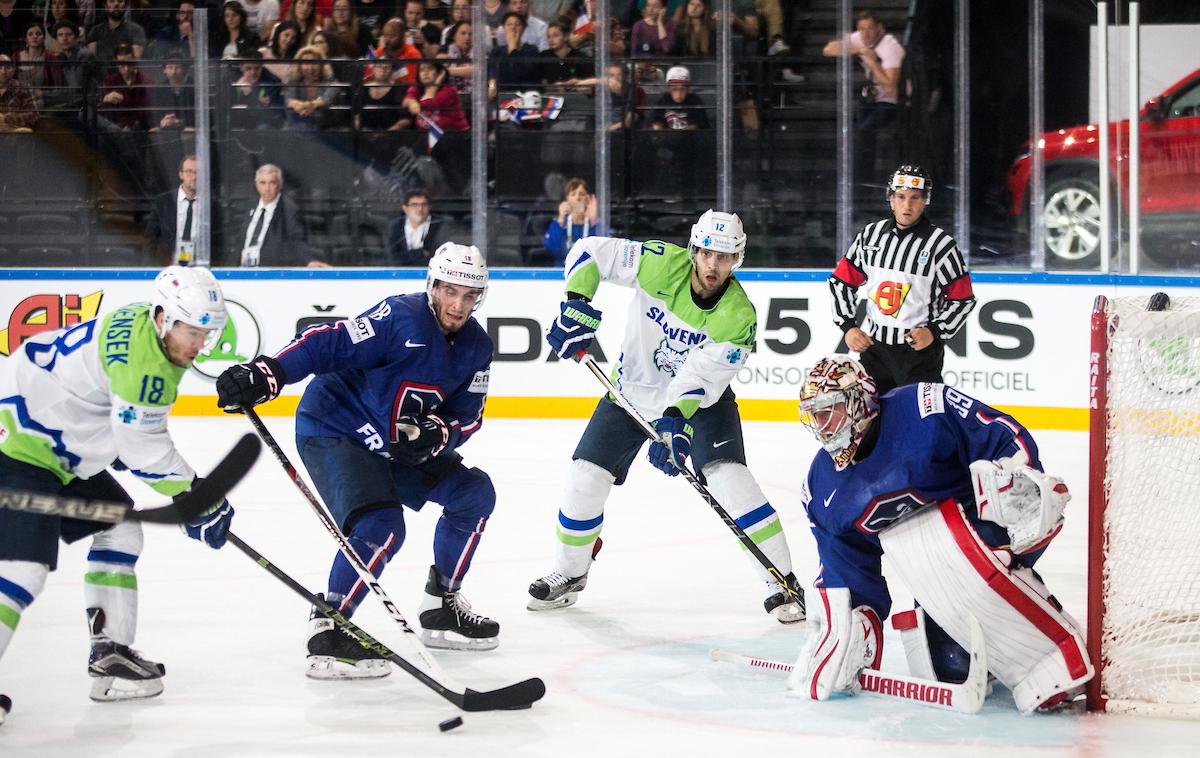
{"x": 953, "y": 491}
{"x": 396, "y": 391}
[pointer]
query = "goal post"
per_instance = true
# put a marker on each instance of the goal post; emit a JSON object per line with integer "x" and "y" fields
{"x": 1144, "y": 503}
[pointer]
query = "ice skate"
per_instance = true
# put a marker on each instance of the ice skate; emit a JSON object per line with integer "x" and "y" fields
{"x": 781, "y": 605}
{"x": 555, "y": 591}
{"x": 121, "y": 673}
{"x": 333, "y": 654}
{"x": 448, "y": 623}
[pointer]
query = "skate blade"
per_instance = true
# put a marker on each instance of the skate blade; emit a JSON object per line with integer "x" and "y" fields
{"x": 549, "y": 605}
{"x": 441, "y": 640}
{"x": 108, "y": 689}
{"x": 788, "y": 613}
{"x": 326, "y": 668}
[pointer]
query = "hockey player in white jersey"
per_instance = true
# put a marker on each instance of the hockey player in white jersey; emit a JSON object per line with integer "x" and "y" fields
{"x": 691, "y": 329}
{"x": 74, "y": 402}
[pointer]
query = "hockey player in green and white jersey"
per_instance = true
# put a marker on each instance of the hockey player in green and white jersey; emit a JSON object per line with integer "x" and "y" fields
{"x": 691, "y": 328}
{"x": 74, "y": 402}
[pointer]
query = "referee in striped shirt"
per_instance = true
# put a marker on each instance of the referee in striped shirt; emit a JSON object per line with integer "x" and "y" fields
{"x": 916, "y": 283}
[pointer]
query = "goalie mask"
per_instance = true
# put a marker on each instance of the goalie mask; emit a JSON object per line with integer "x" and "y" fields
{"x": 191, "y": 295}
{"x": 838, "y": 402}
{"x": 462, "y": 265}
{"x": 720, "y": 232}
{"x": 908, "y": 176}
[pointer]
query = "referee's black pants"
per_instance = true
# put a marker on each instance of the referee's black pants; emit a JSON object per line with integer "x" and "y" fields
{"x": 894, "y": 366}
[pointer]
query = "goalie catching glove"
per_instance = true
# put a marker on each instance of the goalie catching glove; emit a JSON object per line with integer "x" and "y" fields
{"x": 419, "y": 438}
{"x": 1025, "y": 501}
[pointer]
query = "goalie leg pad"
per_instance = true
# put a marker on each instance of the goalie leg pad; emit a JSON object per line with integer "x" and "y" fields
{"x": 582, "y": 516}
{"x": 110, "y": 583}
{"x": 1035, "y": 649}
{"x": 912, "y": 628}
{"x": 842, "y": 642}
{"x": 20, "y": 583}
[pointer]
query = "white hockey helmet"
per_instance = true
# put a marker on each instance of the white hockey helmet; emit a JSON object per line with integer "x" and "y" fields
{"x": 458, "y": 264}
{"x": 191, "y": 295}
{"x": 720, "y": 232}
{"x": 838, "y": 402}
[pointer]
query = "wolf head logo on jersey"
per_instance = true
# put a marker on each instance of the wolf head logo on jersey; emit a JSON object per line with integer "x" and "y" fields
{"x": 668, "y": 359}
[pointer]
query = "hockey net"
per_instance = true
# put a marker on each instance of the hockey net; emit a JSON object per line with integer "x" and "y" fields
{"x": 1144, "y": 563}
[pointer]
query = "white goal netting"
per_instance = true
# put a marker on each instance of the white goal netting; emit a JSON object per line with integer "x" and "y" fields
{"x": 1150, "y": 580}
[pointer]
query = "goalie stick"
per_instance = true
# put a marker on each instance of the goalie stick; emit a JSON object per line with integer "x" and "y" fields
{"x": 963, "y": 698}
{"x": 210, "y": 491}
{"x": 420, "y": 662}
{"x": 520, "y": 695}
{"x": 793, "y": 589}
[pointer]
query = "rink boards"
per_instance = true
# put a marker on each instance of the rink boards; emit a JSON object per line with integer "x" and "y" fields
{"x": 1024, "y": 349}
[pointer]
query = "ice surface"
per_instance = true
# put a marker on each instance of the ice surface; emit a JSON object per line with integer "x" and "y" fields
{"x": 626, "y": 670}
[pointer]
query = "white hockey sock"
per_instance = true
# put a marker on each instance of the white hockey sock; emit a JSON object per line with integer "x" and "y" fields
{"x": 20, "y": 583}
{"x": 735, "y": 489}
{"x": 581, "y": 516}
{"x": 110, "y": 583}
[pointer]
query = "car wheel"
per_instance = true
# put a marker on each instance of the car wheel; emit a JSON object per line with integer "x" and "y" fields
{"x": 1071, "y": 218}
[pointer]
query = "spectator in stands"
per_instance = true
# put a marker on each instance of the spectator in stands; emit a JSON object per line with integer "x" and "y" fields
{"x": 172, "y": 222}
{"x": 275, "y": 234}
{"x": 35, "y": 65}
{"x": 770, "y": 13}
{"x": 493, "y": 13}
{"x": 881, "y": 56}
{"x": 414, "y": 22}
{"x": 535, "y": 28}
{"x": 654, "y": 35}
{"x": 679, "y": 108}
{"x": 59, "y": 10}
{"x": 257, "y": 100}
{"x": 174, "y": 98}
{"x": 434, "y": 104}
{"x": 373, "y": 14}
{"x": 561, "y": 67}
{"x": 583, "y": 35}
{"x": 312, "y": 94}
{"x": 696, "y": 33}
{"x": 285, "y": 43}
{"x": 75, "y": 70}
{"x": 379, "y": 106}
{"x": 513, "y": 64}
{"x": 458, "y": 56}
{"x": 624, "y": 103}
{"x": 18, "y": 110}
{"x": 413, "y": 238}
{"x": 175, "y": 41}
{"x": 348, "y": 38}
{"x": 12, "y": 26}
{"x": 392, "y": 44}
{"x": 233, "y": 37}
{"x": 304, "y": 14}
{"x": 115, "y": 30}
{"x": 460, "y": 11}
{"x": 125, "y": 94}
{"x": 431, "y": 42}
{"x": 744, "y": 20}
{"x": 576, "y": 219}
{"x": 437, "y": 12}
{"x": 343, "y": 70}
{"x": 261, "y": 15}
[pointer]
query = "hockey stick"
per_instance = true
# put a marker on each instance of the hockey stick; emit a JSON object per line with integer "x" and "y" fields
{"x": 519, "y": 695}
{"x": 417, "y": 655}
{"x": 210, "y": 491}
{"x": 963, "y": 698}
{"x": 792, "y": 589}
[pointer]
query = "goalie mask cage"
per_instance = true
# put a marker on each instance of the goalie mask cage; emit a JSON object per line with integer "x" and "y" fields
{"x": 1143, "y": 556}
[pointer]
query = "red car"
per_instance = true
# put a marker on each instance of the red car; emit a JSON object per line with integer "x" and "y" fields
{"x": 1170, "y": 177}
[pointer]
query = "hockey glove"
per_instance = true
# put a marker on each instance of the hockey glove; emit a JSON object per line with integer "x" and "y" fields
{"x": 572, "y": 332}
{"x": 249, "y": 383}
{"x": 1025, "y": 501}
{"x": 669, "y": 453}
{"x": 211, "y": 526}
{"x": 419, "y": 438}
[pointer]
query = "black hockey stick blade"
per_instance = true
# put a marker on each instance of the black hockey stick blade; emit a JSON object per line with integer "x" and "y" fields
{"x": 210, "y": 491}
{"x": 511, "y": 698}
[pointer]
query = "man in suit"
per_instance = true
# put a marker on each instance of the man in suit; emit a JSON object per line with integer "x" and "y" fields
{"x": 275, "y": 235}
{"x": 172, "y": 223}
{"x": 413, "y": 238}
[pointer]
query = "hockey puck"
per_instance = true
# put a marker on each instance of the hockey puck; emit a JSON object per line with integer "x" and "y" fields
{"x": 449, "y": 724}
{"x": 6, "y": 706}
{"x": 1159, "y": 301}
